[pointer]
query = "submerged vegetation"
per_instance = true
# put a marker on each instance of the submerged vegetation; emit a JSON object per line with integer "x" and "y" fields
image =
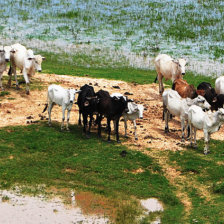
{"x": 140, "y": 28}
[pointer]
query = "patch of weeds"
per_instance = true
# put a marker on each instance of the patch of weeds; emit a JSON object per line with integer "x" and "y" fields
{"x": 218, "y": 188}
{"x": 5, "y": 198}
{"x": 128, "y": 212}
{"x": 4, "y": 93}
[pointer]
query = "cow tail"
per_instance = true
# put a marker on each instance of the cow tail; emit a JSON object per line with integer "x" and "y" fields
{"x": 10, "y": 70}
{"x": 46, "y": 105}
{"x": 173, "y": 86}
{"x": 156, "y": 79}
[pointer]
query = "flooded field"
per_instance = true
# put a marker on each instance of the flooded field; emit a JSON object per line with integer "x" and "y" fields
{"x": 122, "y": 32}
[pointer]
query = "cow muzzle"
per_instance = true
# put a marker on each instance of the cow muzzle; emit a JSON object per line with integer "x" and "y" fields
{"x": 71, "y": 101}
{"x": 39, "y": 70}
{"x": 7, "y": 60}
{"x": 183, "y": 73}
{"x": 141, "y": 117}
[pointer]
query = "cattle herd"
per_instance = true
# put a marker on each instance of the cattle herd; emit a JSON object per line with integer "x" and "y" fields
{"x": 201, "y": 108}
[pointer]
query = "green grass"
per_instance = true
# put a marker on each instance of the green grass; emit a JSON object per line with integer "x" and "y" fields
{"x": 37, "y": 154}
{"x": 61, "y": 65}
{"x": 207, "y": 171}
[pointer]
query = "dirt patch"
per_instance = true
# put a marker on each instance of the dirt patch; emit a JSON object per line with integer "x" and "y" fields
{"x": 150, "y": 129}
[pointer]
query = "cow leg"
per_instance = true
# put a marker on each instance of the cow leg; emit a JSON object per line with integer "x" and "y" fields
{"x": 190, "y": 130}
{"x": 99, "y": 118}
{"x": 135, "y": 127}
{"x": 109, "y": 129}
{"x": 68, "y": 117}
{"x": 27, "y": 81}
{"x": 161, "y": 88}
{"x": 80, "y": 123}
{"x": 15, "y": 75}
{"x": 166, "y": 121}
{"x": 1, "y": 82}
{"x": 125, "y": 127}
{"x": 117, "y": 130}
{"x": 63, "y": 118}
{"x": 195, "y": 143}
{"x": 182, "y": 129}
{"x": 90, "y": 124}
{"x": 206, "y": 138}
{"x": 50, "y": 106}
{"x": 84, "y": 117}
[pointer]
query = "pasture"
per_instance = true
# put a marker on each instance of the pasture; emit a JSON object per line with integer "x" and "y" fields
{"x": 157, "y": 165}
{"x": 111, "y": 45}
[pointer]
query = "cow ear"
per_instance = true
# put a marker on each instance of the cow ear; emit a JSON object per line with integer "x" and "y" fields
{"x": 13, "y": 51}
{"x": 175, "y": 61}
{"x": 43, "y": 58}
{"x": 214, "y": 99}
{"x": 130, "y": 100}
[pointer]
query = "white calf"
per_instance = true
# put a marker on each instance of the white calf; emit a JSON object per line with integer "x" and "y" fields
{"x": 219, "y": 85}
{"x": 62, "y": 97}
{"x": 2, "y": 64}
{"x": 177, "y": 106}
{"x": 134, "y": 111}
{"x": 208, "y": 122}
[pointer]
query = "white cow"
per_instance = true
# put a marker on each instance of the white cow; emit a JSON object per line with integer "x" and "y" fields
{"x": 134, "y": 111}
{"x": 62, "y": 97}
{"x": 2, "y": 64}
{"x": 26, "y": 61}
{"x": 168, "y": 68}
{"x": 7, "y": 52}
{"x": 219, "y": 85}
{"x": 177, "y": 106}
{"x": 208, "y": 122}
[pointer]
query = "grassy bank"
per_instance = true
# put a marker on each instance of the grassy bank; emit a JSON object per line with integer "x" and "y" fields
{"x": 38, "y": 155}
{"x": 64, "y": 65}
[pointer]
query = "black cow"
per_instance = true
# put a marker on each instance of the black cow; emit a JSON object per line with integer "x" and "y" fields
{"x": 112, "y": 108}
{"x": 87, "y": 102}
{"x": 218, "y": 102}
{"x": 208, "y": 92}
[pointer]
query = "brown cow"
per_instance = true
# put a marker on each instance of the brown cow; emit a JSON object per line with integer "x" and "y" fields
{"x": 184, "y": 89}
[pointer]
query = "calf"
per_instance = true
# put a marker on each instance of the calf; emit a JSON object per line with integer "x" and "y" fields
{"x": 168, "y": 68}
{"x": 62, "y": 97}
{"x": 87, "y": 102}
{"x": 26, "y": 61}
{"x": 184, "y": 89}
{"x": 208, "y": 122}
{"x": 208, "y": 92}
{"x": 134, "y": 111}
{"x": 2, "y": 65}
{"x": 112, "y": 108}
{"x": 175, "y": 105}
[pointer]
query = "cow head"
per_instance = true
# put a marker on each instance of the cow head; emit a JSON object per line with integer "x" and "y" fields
{"x": 221, "y": 114}
{"x": 72, "y": 93}
{"x": 202, "y": 102}
{"x": 181, "y": 63}
{"x": 7, "y": 53}
{"x": 91, "y": 101}
{"x": 38, "y": 61}
{"x": 2, "y": 52}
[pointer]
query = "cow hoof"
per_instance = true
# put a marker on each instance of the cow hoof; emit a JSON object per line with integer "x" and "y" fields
{"x": 67, "y": 130}
{"x": 109, "y": 141}
{"x": 182, "y": 140}
{"x": 195, "y": 146}
{"x": 27, "y": 92}
{"x": 17, "y": 88}
{"x": 119, "y": 141}
{"x": 136, "y": 138}
{"x": 126, "y": 136}
{"x": 166, "y": 131}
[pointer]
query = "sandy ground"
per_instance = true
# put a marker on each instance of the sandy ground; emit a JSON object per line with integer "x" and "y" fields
{"x": 20, "y": 109}
{"x": 19, "y": 106}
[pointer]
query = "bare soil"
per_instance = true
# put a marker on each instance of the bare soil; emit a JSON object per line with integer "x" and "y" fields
{"x": 21, "y": 109}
